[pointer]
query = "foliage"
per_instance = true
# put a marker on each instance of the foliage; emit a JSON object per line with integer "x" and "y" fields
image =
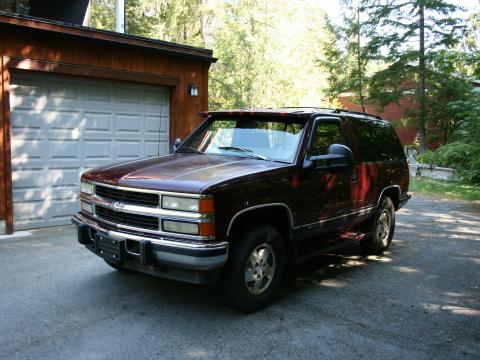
{"x": 344, "y": 56}
{"x": 450, "y": 189}
{"x": 463, "y": 157}
{"x": 413, "y": 33}
{"x": 264, "y": 51}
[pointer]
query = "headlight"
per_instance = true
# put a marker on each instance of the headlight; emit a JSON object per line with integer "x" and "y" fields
{"x": 86, "y": 188}
{"x": 180, "y": 227}
{"x": 180, "y": 203}
{"x": 203, "y": 205}
{"x": 87, "y": 207}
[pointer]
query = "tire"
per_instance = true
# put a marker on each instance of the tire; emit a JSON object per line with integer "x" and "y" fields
{"x": 259, "y": 256}
{"x": 118, "y": 267}
{"x": 383, "y": 228}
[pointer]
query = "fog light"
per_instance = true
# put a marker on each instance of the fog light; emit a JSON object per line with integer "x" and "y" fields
{"x": 180, "y": 227}
{"x": 86, "y": 207}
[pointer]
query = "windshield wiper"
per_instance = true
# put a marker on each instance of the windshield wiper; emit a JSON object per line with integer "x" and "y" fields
{"x": 245, "y": 151}
{"x": 187, "y": 149}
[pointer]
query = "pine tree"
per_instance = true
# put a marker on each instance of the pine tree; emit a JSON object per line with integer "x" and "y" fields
{"x": 345, "y": 57}
{"x": 412, "y": 33}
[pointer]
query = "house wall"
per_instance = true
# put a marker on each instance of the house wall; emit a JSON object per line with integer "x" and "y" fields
{"x": 27, "y": 49}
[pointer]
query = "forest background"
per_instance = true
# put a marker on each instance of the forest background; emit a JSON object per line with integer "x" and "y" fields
{"x": 275, "y": 53}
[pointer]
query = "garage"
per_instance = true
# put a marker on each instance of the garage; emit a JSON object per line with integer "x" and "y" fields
{"x": 73, "y": 98}
{"x": 62, "y": 126}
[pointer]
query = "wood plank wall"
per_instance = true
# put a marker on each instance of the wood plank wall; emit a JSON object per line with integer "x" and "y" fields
{"x": 2, "y": 143}
{"x": 42, "y": 51}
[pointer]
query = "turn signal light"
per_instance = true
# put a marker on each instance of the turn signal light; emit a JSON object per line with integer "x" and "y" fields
{"x": 206, "y": 229}
{"x": 206, "y": 205}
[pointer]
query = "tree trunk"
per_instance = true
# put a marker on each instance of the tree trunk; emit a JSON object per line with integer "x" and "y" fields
{"x": 359, "y": 63}
{"x": 421, "y": 96}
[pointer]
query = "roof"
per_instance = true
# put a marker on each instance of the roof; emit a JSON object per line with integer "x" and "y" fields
{"x": 291, "y": 111}
{"x": 76, "y": 31}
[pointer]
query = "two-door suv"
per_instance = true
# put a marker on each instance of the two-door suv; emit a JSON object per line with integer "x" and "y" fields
{"x": 246, "y": 194}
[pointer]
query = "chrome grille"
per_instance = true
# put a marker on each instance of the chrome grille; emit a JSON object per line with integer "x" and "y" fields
{"x": 128, "y": 197}
{"x": 133, "y": 220}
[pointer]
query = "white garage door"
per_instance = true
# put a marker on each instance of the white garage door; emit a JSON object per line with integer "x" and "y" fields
{"x": 62, "y": 126}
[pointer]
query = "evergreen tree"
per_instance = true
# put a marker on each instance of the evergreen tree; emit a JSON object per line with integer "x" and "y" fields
{"x": 412, "y": 33}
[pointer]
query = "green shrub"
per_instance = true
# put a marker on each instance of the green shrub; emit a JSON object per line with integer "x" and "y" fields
{"x": 427, "y": 157}
{"x": 464, "y": 158}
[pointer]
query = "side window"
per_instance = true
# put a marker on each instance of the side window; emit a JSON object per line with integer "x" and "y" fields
{"x": 377, "y": 140}
{"x": 325, "y": 134}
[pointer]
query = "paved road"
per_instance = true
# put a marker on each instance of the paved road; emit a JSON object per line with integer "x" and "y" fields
{"x": 419, "y": 301}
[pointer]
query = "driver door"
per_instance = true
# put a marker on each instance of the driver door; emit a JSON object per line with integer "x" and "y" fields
{"x": 325, "y": 192}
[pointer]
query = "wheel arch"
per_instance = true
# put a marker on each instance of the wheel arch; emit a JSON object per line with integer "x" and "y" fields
{"x": 393, "y": 192}
{"x": 278, "y": 215}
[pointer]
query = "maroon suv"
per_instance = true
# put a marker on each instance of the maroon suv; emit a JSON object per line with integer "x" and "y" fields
{"x": 246, "y": 194}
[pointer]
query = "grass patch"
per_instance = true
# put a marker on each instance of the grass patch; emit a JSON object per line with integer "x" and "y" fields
{"x": 450, "y": 189}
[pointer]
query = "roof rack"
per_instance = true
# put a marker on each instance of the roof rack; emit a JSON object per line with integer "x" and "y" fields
{"x": 338, "y": 111}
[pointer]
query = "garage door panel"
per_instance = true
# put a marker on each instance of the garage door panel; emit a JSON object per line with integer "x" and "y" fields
{"x": 95, "y": 123}
{"x": 28, "y": 178}
{"x": 127, "y": 95}
{"x": 62, "y": 177}
{"x": 128, "y": 149}
{"x": 154, "y": 125}
{"x": 64, "y": 126}
{"x": 26, "y": 149}
{"x": 128, "y": 123}
{"x": 63, "y": 149}
{"x": 26, "y": 120}
{"x": 152, "y": 149}
{"x": 97, "y": 95}
{"x": 63, "y": 89}
{"x": 61, "y": 119}
{"x": 98, "y": 149}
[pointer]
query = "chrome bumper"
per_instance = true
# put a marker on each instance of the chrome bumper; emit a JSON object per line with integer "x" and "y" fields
{"x": 165, "y": 252}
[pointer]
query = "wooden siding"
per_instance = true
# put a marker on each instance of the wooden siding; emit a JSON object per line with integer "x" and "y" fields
{"x": 2, "y": 144}
{"x": 27, "y": 49}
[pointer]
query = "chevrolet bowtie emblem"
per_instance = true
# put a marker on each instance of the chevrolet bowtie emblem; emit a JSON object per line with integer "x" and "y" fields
{"x": 117, "y": 206}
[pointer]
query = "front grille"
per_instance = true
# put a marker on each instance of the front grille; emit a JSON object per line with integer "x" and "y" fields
{"x": 134, "y": 220}
{"x": 128, "y": 197}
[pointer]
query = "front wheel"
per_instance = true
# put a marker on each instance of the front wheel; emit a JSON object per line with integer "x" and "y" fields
{"x": 383, "y": 228}
{"x": 254, "y": 271}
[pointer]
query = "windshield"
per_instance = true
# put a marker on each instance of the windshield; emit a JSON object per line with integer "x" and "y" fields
{"x": 266, "y": 138}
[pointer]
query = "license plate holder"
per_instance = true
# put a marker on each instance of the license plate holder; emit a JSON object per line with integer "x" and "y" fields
{"x": 109, "y": 248}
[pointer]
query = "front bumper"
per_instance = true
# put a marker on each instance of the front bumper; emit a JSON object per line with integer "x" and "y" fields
{"x": 197, "y": 262}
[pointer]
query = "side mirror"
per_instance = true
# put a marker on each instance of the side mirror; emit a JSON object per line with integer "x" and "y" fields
{"x": 176, "y": 144}
{"x": 339, "y": 157}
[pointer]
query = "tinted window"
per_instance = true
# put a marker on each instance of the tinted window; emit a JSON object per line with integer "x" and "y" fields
{"x": 377, "y": 140}
{"x": 326, "y": 134}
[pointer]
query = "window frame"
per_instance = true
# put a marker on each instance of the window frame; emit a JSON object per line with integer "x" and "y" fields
{"x": 325, "y": 119}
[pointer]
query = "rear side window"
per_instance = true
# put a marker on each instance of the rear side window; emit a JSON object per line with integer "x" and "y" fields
{"x": 377, "y": 140}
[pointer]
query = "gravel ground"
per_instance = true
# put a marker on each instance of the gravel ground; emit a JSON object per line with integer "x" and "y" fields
{"x": 421, "y": 300}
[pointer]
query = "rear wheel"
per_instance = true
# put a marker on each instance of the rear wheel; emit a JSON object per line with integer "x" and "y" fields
{"x": 383, "y": 228}
{"x": 254, "y": 271}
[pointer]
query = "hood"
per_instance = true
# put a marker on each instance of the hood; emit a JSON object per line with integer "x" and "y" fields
{"x": 190, "y": 173}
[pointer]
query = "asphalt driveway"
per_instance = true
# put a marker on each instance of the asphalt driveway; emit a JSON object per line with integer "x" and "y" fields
{"x": 421, "y": 300}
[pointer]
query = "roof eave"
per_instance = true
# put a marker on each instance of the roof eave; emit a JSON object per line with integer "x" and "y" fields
{"x": 63, "y": 29}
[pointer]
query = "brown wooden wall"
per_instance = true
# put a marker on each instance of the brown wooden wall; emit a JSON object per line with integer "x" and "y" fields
{"x": 27, "y": 50}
